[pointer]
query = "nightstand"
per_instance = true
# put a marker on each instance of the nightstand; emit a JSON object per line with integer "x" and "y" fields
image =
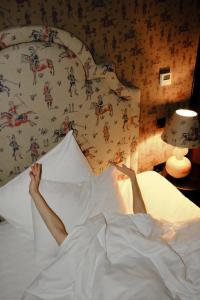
{"x": 189, "y": 186}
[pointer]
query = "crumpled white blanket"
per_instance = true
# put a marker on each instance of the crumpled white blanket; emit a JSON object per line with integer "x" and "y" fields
{"x": 115, "y": 257}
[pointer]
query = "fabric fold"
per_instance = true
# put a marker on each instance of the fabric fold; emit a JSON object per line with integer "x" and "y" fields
{"x": 113, "y": 256}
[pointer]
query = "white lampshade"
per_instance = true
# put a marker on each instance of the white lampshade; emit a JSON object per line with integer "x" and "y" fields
{"x": 182, "y": 131}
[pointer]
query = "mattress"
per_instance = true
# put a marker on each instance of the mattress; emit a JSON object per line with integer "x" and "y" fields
{"x": 17, "y": 268}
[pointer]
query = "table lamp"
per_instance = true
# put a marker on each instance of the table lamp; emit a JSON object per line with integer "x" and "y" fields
{"x": 183, "y": 132}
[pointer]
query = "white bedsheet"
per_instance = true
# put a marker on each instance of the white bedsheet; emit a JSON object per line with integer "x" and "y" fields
{"x": 115, "y": 257}
{"x": 17, "y": 268}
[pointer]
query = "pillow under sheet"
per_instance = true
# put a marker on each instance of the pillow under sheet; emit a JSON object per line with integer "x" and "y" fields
{"x": 74, "y": 203}
{"x": 162, "y": 199}
{"x": 65, "y": 162}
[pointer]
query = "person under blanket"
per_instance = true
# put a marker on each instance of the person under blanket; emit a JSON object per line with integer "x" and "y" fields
{"x": 53, "y": 222}
{"x": 118, "y": 256}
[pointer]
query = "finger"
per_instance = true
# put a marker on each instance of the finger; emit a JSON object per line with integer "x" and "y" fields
{"x": 31, "y": 175}
{"x": 33, "y": 169}
{"x": 124, "y": 166}
{"x": 113, "y": 164}
{"x": 38, "y": 166}
{"x": 119, "y": 168}
{"x": 38, "y": 171}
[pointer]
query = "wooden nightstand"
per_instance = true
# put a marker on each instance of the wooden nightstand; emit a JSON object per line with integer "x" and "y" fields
{"x": 189, "y": 185}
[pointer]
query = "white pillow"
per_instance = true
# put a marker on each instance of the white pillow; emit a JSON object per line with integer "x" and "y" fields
{"x": 162, "y": 199}
{"x": 70, "y": 202}
{"x": 65, "y": 162}
{"x": 106, "y": 195}
{"x": 73, "y": 203}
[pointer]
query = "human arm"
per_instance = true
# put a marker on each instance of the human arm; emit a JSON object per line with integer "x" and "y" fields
{"x": 52, "y": 221}
{"x": 138, "y": 202}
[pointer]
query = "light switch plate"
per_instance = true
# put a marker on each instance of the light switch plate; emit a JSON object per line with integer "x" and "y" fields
{"x": 165, "y": 79}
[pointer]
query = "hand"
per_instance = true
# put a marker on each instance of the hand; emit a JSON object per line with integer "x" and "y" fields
{"x": 35, "y": 175}
{"x": 127, "y": 171}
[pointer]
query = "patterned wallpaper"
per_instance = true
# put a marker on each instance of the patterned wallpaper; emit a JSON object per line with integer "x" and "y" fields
{"x": 139, "y": 37}
{"x": 49, "y": 85}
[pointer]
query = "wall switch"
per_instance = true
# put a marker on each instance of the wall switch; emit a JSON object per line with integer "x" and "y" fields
{"x": 165, "y": 79}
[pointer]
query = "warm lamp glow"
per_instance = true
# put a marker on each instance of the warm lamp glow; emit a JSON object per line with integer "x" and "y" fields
{"x": 183, "y": 132}
{"x": 186, "y": 113}
{"x": 178, "y": 168}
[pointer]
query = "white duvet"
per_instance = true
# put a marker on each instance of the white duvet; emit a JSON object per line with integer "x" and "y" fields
{"x": 115, "y": 257}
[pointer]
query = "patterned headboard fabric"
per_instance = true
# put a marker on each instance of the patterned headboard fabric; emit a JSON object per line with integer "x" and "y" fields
{"x": 50, "y": 84}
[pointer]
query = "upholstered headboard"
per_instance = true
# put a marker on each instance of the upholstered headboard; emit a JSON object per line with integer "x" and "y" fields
{"x": 50, "y": 84}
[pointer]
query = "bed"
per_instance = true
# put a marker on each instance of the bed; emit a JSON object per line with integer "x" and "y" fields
{"x": 76, "y": 118}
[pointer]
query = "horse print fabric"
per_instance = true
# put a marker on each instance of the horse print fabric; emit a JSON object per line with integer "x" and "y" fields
{"x": 50, "y": 84}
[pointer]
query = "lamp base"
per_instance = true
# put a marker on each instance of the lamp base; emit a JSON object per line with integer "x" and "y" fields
{"x": 178, "y": 168}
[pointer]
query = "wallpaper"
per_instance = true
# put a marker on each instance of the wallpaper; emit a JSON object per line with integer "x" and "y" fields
{"x": 140, "y": 37}
{"x": 49, "y": 85}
